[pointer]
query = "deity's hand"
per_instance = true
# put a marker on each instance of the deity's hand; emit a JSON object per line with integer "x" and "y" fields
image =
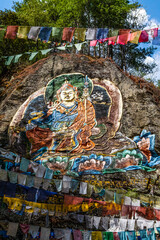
{"x": 52, "y": 108}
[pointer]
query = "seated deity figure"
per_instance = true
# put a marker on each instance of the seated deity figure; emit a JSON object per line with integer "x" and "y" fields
{"x": 66, "y": 126}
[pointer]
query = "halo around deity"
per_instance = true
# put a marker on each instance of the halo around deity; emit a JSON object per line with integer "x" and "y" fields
{"x": 76, "y": 79}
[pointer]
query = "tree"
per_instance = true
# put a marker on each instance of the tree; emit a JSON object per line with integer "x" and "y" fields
{"x": 81, "y": 13}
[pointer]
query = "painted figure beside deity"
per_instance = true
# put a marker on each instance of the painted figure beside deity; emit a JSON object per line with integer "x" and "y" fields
{"x": 66, "y": 126}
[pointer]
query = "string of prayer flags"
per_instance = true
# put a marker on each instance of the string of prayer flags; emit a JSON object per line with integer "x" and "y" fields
{"x": 45, "y": 33}
{"x": 23, "y": 32}
{"x": 68, "y": 34}
{"x": 11, "y": 32}
{"x": 57, "y": 33}
{"x": 80, "y": 34}
{"x": 33, "y": 33}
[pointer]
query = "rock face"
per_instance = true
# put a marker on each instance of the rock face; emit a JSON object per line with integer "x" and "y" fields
{"x": 140, "y": 110}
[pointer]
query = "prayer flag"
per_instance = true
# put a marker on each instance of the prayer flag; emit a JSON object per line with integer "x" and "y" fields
{"x": 22, "y": 179}
{"x": 83, "y": 188}
{"x": 77, "y": 234}
{"x": 57, "y": 33}
{"x": 24, "y": 164}
{"x": 45, "y": 51}
{"x": 33, "y": 230}
{"x": 12, "y": 176}
{"x": 124, "y": 36}
{"x": 3, "y": 175}
{"x": 80, "y": 34}
{"x": 68, "y": 34}
{"x": 102, "y": 33}
{"x": 40, "y": 172}
{"x": 17, "y": 57}
{"x": 156, "y": 40}
{"x": 143, "y": 37}
{"x": 12, "y": 229}
{"x": 93, "y": 43}
{"x": 134, "y": 37}
{"x": 66, "y": 184}
{"x": 33, "y": 33}
{"x": 45, "y": 233}
{"x": 45, "y": 33}
{"x": 24, "y": 228}
{"x": 23, "y": 32}
{"x": 11, "y": 32}
{"x": 9, "y": 60}
{"x": 91, "y": 34}
{"x": 32, "y": 56}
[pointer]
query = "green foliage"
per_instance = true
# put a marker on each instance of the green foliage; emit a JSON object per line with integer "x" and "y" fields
{"x": 81, "y": 13}
{"x": 131, "y": 58}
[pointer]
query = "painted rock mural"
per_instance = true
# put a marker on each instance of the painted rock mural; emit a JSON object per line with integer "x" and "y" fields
{"x": 70, "y": 125}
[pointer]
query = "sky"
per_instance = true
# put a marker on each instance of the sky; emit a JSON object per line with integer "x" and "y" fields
{"x": 152, "y": 8}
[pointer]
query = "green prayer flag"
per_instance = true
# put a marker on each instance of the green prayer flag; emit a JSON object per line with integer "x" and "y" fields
{"x": 61, "y": 48}
{"x": 107, "y": 235}
{"x": 45, "y": 51}
{"x": 9, "y": 60}
{"x": 32, "y": 56}
{"x": 17, "y": 57}
{"x": 57, "y": 34}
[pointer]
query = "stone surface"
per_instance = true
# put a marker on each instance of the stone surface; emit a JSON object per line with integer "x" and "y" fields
{"x": 140, "y": 110}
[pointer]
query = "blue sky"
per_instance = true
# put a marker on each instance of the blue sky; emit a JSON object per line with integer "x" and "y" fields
{"x": 152, "y": 8}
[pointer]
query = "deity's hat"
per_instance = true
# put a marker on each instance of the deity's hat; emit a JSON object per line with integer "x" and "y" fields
{"x": 75, "y": 79}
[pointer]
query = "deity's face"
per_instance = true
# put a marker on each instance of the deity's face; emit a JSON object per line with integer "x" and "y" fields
{"x": 67, "y": 95}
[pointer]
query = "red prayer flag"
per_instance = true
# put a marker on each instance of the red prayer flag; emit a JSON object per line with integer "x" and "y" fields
{"x": 112, "y": 40}
{"x": 71, "y": 200}
{"x": 68, "y": 34}
{"x": 11, "y": 32}
{"x": 143, "y": 36}
{"x": 24, "y": 228}
{"x": 123, "y": 36}
{"x": 93, "y": 43}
